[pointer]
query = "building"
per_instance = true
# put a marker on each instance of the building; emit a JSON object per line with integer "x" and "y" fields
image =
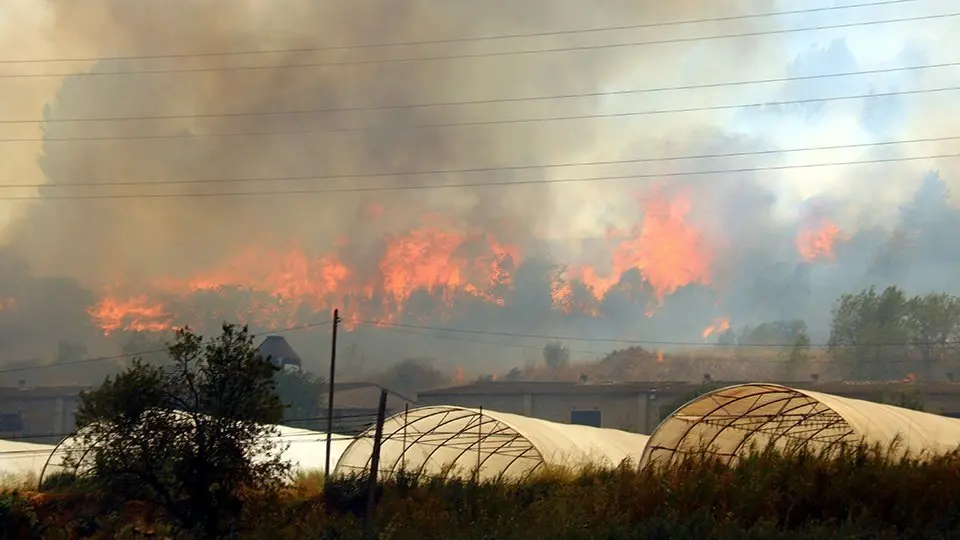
{"x": 639, "y": 406}
{"x": 43, "y": 414}
{"x": 279, "y": 352}
{"x": 355, "y": 406}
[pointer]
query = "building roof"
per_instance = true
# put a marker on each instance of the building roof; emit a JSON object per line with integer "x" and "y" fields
{"x": 40, "y": 392}
{"x": 366, "y": 395}
{"x": 279, "y": 351}
{"x": 633, "y": 387}
{"x": 554, "y": 387}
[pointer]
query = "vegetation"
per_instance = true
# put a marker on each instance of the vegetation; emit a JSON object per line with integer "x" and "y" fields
{"x": 861, "y": 492}
{"x": 881, "y": 335}
{"x": 187, "y": 437}
{"x": 302, "y": 394}
{"x": 556, "y": 356}
{"x": 412, "y": 375}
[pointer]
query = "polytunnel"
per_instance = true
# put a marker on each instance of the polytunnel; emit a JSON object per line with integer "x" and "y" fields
{"x": 457, "y": 441}
{"x": 729, "y": 421}
{"x": 304, "y": 450}
{"x": 19, "y": 458}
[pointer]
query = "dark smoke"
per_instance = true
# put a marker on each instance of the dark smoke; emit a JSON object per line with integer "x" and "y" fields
{"x": 131, "y": 241}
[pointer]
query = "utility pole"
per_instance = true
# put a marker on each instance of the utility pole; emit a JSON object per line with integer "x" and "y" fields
{"x": 375, "y": 464}
{"x": 333, "y": 372}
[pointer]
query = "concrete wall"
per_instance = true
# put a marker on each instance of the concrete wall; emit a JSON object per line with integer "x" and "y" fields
{"x": 638, "y": 412}
{"x": 44, "y": 420}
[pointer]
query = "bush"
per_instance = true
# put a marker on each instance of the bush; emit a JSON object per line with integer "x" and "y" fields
{"x": 856, "y": 492}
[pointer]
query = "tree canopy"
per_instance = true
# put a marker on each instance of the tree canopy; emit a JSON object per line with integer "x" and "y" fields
{"x": 887, "y": 335}
{"x": 188, "y": 435}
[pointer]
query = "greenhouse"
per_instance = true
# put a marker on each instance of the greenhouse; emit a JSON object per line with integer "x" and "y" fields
{"x": 18, "y": 459}
{"x": 730, "y": 421}
{"x": 304, "y": 450}
{"x": 460, "y": 442}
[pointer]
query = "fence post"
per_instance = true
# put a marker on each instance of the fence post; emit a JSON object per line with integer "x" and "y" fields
{"x": 375, "y": 464}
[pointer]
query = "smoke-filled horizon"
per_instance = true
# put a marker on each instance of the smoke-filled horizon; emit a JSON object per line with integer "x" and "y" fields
{"x": 657, "y": 255}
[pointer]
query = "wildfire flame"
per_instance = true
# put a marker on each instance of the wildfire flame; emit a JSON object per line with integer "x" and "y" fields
{"x": 719, "y": 326}
{"x": 137, "y": 313}
{"x": 278, "y": 288}
{"x": 818, "y": 242}
{"x": 8, "y": 304}
{"x": 281, "y": 285}
{"x": 667, "y": 251}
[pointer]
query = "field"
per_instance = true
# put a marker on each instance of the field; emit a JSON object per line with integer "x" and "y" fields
{"x": 861, "y": 493}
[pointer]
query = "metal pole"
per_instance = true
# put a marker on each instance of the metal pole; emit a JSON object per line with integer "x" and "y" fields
{"x": 375, "y": 463}
{"x": 333, "y": 373}
{"x": 403, "y": 464}
{"x": 479, "y": 442}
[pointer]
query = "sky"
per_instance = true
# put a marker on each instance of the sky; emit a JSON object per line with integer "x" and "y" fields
{"x": 746, "y": 220}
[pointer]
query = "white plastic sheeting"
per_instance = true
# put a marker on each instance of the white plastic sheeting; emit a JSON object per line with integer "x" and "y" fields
{"x": 304, "y": 450}
{"x": 456, "y": 441}
{"x": 729, "y": 421}
{"x": 21, "y": 459}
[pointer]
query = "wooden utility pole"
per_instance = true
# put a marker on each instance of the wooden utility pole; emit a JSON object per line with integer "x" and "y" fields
{"x": 333, "y": 373}
{"x": 375, "y": 463}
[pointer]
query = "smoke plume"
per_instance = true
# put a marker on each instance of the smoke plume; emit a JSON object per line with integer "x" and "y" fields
{"x": 657, "y": 254}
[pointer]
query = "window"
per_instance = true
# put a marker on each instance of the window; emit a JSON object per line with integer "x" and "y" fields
{"x": 585, "y": 418}
{"x": 11, "y": 422}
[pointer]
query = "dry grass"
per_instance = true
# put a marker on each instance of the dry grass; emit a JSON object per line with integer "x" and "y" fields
{"x": 861, "y": 492}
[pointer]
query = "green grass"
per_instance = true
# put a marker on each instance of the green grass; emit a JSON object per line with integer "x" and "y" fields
{"x": 859, "y": 492}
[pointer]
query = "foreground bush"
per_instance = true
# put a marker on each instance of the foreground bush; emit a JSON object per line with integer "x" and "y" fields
{"x": 860, "y": 493}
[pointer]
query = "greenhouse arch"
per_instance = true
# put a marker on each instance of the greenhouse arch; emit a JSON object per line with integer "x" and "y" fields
{"x": 462, "y": 442}
{"x": 728, "y": 422}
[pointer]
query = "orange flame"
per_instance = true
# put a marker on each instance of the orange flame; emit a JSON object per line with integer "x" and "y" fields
{"x": 659, "y": 357}
{"x": 282, "y": 284}
{"x": 137, "y": 313}
{"x": 8, "y": 304}
{"x": 719, "y": 326}
{"x": 281, "y": 287}
{"x": 669, "y": 253}
{"x": 818, "y": 242}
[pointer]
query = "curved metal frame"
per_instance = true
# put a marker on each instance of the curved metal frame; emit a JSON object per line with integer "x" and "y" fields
{"x": 501, "y": 438}
{"x": 784, "y": 422}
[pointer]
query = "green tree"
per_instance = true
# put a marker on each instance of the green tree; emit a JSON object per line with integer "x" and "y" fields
{"x": 774, "y": 333}
{"x": 933, "y": 321}
{"x": 412, "y": 375}
{"x": 302, "y": 394}
{"x": 187, "y": 436}
{"x": 869, "y": 332}
{"x": 556, "y": 356}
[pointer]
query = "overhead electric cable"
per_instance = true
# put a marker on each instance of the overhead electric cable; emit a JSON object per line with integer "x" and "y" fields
{"x": 462, "y": 39}
{"x": 491, "y": 101}
{"x": 514, "y": 168}
{"x": 480, "y": 123}
{"x": 510, "y": 183}
{"x": 520, "y": 52}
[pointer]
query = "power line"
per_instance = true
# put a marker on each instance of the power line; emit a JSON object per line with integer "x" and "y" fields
{"x": 514, "y": 183}
{"x": 152, "y": 351}
{"x": 486, "y": 54}
{"x": 487, "y": 169}
{"x": 492, "y": 101}
{"x": 460, "y": 40}
{"x": 635, "y": 341}
{"x": 654, "y": 354}
{"x": 478, "y": 123}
